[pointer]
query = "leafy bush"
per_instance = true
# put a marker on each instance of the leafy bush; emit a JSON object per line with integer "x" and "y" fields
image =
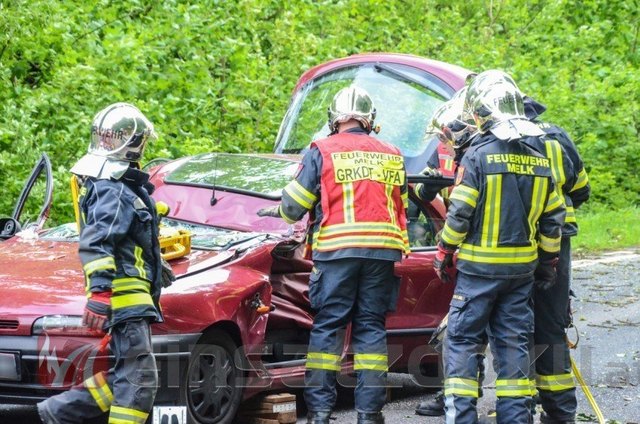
{"x": 217, "y": 75}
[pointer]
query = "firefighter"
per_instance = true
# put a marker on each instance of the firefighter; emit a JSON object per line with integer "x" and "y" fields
{"x": 455, "y": 135}
{"x": 123, "y": 271}
{"x": 505, "y": 216}
{"x": 555, "y": 383}
{"x": 446, "y": 158}
{"x": 354, "y": 188}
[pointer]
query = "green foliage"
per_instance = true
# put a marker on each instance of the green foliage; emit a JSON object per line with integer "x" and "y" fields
{"x": 607, "y": 230}
{"x": 217, "y": 75}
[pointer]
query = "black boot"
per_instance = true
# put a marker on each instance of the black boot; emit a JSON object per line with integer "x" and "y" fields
{"x": 433, "y": 407}
{"x": 370, "y": 418}
{"x": 320, "y": 417}
{"x": 545, "y": 419}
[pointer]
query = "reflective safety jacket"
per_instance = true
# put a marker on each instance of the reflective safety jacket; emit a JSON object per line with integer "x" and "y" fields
{"x": 568, "y": 171}
{"x": 355, "y": 186}
{"x": 442, "y": 160}
{"x": 503, "y": 209}
{"x": 119, "y": 247}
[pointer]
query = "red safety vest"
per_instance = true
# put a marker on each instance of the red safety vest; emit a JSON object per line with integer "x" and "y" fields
{"x": 362, "y": 203}
{"x": 445, "y": 162}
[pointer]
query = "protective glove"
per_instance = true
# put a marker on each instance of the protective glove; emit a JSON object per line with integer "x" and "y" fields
{"x": 443, "y": 260}
{"x": 97, "y": 310}
{"x": 270, "y": 211}
{"x": 545, "y": 273}
{"x": 431, "y": 172}
{"x": 168, "y": 277}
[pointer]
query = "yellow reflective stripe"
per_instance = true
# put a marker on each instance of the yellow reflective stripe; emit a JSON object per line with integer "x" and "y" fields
{"x": 121, "y": 415}
{"x": 554, "y": 154}
{"x": 119, "y": 301}
{"x": 130, "y": 284}
{"x": 555, "y": 383}
{"x": 532, "y": 387}
{"x": 301, "y": 195}
{"x": 373, "y": 241}
{"x": 348, "y": 204}
{"x": 554, "y": 202}
{"x": 99, "y": 264}
{"x": 538, "y": 194}
{"x": 452, "y": 237}
{"x": 448, "y": 164}
{"x": 417, "y": 189}
{"x": 323, "y": 361}
{"x": 466, "y": 194}
{"x": 461, "y": 387}
{"x": 405, "y": 241}
{"x": 498, "y": 255}
{"x": 571, "y": 215}
{"x": 491, "y": 219}
{"x": 370, "y": 361}
{"x": 405, "y": 199}
{"x": 549, "y": 244}
{"x": 583, "y": 179}
{"x": 391, "y": 206}
{"x": 284, "y": 216}
{"x": 360, "y": 227}
{"x": 513, "y": 388}
{"x": 137, "y": 252}
{"x": 100, "y": 391}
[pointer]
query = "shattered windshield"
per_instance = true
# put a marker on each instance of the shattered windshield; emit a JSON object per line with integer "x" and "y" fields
{"x": 403, "y": 96}
{"x": 202, "y": 236}
{"x": 257, "y": 175}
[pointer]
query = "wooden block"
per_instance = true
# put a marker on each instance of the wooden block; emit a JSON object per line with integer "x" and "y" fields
{"x": 277, "y": 408}
{"x": 287, "y": 417}
{"x": 257, "y": 420}
{"x": 279, "y": 398}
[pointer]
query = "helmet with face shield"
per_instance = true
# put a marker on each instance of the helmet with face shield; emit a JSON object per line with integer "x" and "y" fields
{"x": 448, "y": 125}
{"x": 351, "y": 103}
{"x": 495, "y": 103}
{"x": 119, "y": 134}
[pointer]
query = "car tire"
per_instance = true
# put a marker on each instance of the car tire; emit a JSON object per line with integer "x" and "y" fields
{"x": 211, "y": 386}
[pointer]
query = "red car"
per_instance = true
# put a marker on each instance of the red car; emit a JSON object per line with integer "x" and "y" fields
{"x": 237, "y": 319}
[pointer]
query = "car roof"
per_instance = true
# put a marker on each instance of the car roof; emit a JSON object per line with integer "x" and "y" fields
{"x": 452, "y": 75}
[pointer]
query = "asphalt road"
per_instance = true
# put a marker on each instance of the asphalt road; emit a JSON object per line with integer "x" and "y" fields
{"x": 607, "y": 314}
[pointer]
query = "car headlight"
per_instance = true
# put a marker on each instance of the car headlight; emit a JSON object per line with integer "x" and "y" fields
{"x": 70, "y": 325}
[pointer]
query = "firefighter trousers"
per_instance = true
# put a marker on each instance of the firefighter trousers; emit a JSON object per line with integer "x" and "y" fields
{"x": 554, "y": 380}
{"x": 126, "y": 392}
{"x": 504, "y": 305}
{"x": 357, "y": 291}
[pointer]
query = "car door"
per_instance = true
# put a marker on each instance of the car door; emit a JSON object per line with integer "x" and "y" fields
{"x": 28, "y": 210}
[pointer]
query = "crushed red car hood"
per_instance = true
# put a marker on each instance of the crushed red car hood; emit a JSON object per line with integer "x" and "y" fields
{"x": 44, "y": 277}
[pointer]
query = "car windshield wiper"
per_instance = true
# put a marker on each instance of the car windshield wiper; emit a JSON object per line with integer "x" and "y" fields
{"x": 232, "y": 243}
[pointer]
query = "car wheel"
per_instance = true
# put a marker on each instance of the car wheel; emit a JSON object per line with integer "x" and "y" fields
{"x": 211, "y": 388}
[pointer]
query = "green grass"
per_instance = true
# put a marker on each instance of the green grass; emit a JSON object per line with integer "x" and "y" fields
{"x": 607, "y": 230}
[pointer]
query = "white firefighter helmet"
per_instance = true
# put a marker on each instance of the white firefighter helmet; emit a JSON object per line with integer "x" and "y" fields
{"x": 495, "y": 103}
{"x": 119, "y": 134}
{"x": 448, "y": 124}
{"x": 351, "y": 103}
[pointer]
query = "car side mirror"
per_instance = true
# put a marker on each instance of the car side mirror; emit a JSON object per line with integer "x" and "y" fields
{"x": 8, "y": 228}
